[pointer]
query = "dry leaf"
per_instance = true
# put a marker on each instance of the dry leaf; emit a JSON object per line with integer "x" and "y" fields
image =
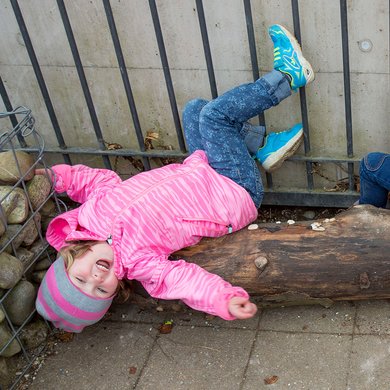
{"x": 271, "y": 380}
{"x": 132, "y": 370}
{"x": 65, "y": 337}
{"x": 152, "y": 135}
{"x": 114, "y": 146}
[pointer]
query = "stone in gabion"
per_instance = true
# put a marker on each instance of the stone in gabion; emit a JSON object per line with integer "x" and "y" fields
{"x": 3, "y": 221}
{"x": 48, "y": 209}
{"x": 17, "y": 241}
{"x": 41, "y": 250}
{"x": 20, "y": 302}
{"x": 31, "y": 230}
{"x": 26, "y": 257}
{"x": 38, "y": 276}
{"x": 4, "y": 373}
{"x": 11, "y": 270}
{"x": 9, "y": 172}
{"x": 38, "y": 189}
{"x": 5, "y": 336}
{"x": 42, "y": 264}
{"x": 14, "y": 203}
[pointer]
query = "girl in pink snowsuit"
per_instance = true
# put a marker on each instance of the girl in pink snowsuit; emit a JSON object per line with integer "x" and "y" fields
{"x": 131, "y": 227}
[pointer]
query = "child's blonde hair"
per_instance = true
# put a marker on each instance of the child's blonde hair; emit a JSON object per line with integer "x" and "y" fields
{"x": 77, "y": 249}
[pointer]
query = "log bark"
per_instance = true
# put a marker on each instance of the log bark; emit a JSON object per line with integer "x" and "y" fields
{"x": 294, "y": 264}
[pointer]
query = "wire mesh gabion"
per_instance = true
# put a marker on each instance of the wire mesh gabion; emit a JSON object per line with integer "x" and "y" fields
{"x": 27, "y": 204}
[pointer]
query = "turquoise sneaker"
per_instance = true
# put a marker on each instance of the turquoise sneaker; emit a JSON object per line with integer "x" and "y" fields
{"x": 279, "y": 146}
{"x": 288, "y": 57}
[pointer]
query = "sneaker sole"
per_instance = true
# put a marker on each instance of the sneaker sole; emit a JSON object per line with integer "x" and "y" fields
{"x": 304, "y": 62}
{"x": 275, "y": 160}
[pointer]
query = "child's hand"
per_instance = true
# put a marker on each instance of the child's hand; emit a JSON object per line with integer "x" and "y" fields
{"x": 242, "y": 308}
{"x": 44, "y": 172}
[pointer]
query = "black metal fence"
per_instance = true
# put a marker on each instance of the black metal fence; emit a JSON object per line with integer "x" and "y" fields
{"x": 308, "y": 197}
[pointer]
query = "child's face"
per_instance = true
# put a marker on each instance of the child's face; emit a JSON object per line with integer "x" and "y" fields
{"x": 93, "y": 273}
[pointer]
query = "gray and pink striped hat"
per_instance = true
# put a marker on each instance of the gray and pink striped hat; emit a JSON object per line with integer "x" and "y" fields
{"x": 65, "y": 305}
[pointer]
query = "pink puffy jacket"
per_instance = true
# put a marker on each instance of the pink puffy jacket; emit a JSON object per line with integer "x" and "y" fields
{"x": 151, "y": 215}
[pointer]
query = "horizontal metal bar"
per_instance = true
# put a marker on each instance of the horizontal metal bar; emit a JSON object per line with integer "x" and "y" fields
{"x": 325, "y": 159}
{"x": 176, "y": 153}
{"x": 316, "y": 198}
{"x": 113, "y": 153}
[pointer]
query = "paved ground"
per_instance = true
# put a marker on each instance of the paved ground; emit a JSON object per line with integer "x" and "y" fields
{"x": 310, "y": 347}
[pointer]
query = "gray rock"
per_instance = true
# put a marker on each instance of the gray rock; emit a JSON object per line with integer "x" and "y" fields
{"x": 309, "y": 215}
{"x": 11, "y": 270}
{"x": 25, "y": 256}
{"x": 34, "y": 334}
{"x": 20, "y": 303}
{"x": 5, "y": 335}
{"x": 5, "y": 240}
{"x": 32, "y": 229}
{"x": 45, "y": 223}
{"x": 43, "y": 264}
{"x": 14, "y": 203}
{"x": 9, "y": 172}
{"x": 48, "y": 209}
{"x": 3, "y": 221}
{"x": 21, "y": 234}
{"x": 4, "y": 374}
{"x": 38, "y": 276}
{"x": 38, "y": 248}
{"x": 38, "y": 189}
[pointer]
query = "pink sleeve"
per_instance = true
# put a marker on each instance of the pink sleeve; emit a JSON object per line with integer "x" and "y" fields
{"x": 81, "y": 182}
{"x": 196, "y": 287}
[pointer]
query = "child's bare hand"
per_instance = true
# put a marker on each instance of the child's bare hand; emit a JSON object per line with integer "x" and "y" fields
{"x": 242, "y": 308}
{"x": 44, "y": 172}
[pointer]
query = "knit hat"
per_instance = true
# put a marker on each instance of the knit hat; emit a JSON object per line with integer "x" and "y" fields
{"x": 62, "y": 303}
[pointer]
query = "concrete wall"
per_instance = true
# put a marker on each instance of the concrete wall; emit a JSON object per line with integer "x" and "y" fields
{"x": 321, "y": 38}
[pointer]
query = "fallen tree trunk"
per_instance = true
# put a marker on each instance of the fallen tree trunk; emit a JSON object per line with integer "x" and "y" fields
{"x": 294, "y": 264}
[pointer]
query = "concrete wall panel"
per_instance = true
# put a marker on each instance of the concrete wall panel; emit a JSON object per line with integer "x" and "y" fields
{"x": 368, "y": 24}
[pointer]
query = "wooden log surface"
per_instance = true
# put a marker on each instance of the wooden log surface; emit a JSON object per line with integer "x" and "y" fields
{"x": 349, "y": 260}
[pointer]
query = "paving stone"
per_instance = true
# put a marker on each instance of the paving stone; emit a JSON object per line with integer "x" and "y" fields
{"x": 373, "y": 317}
{"x": 336, "y": 319}
{"x": 101, "y": 357}
{"x": 299, "y": 361}
{"x": 370, "y": 363}
{"x": 305, "y": 347}
{"x": 198, "y": 358}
